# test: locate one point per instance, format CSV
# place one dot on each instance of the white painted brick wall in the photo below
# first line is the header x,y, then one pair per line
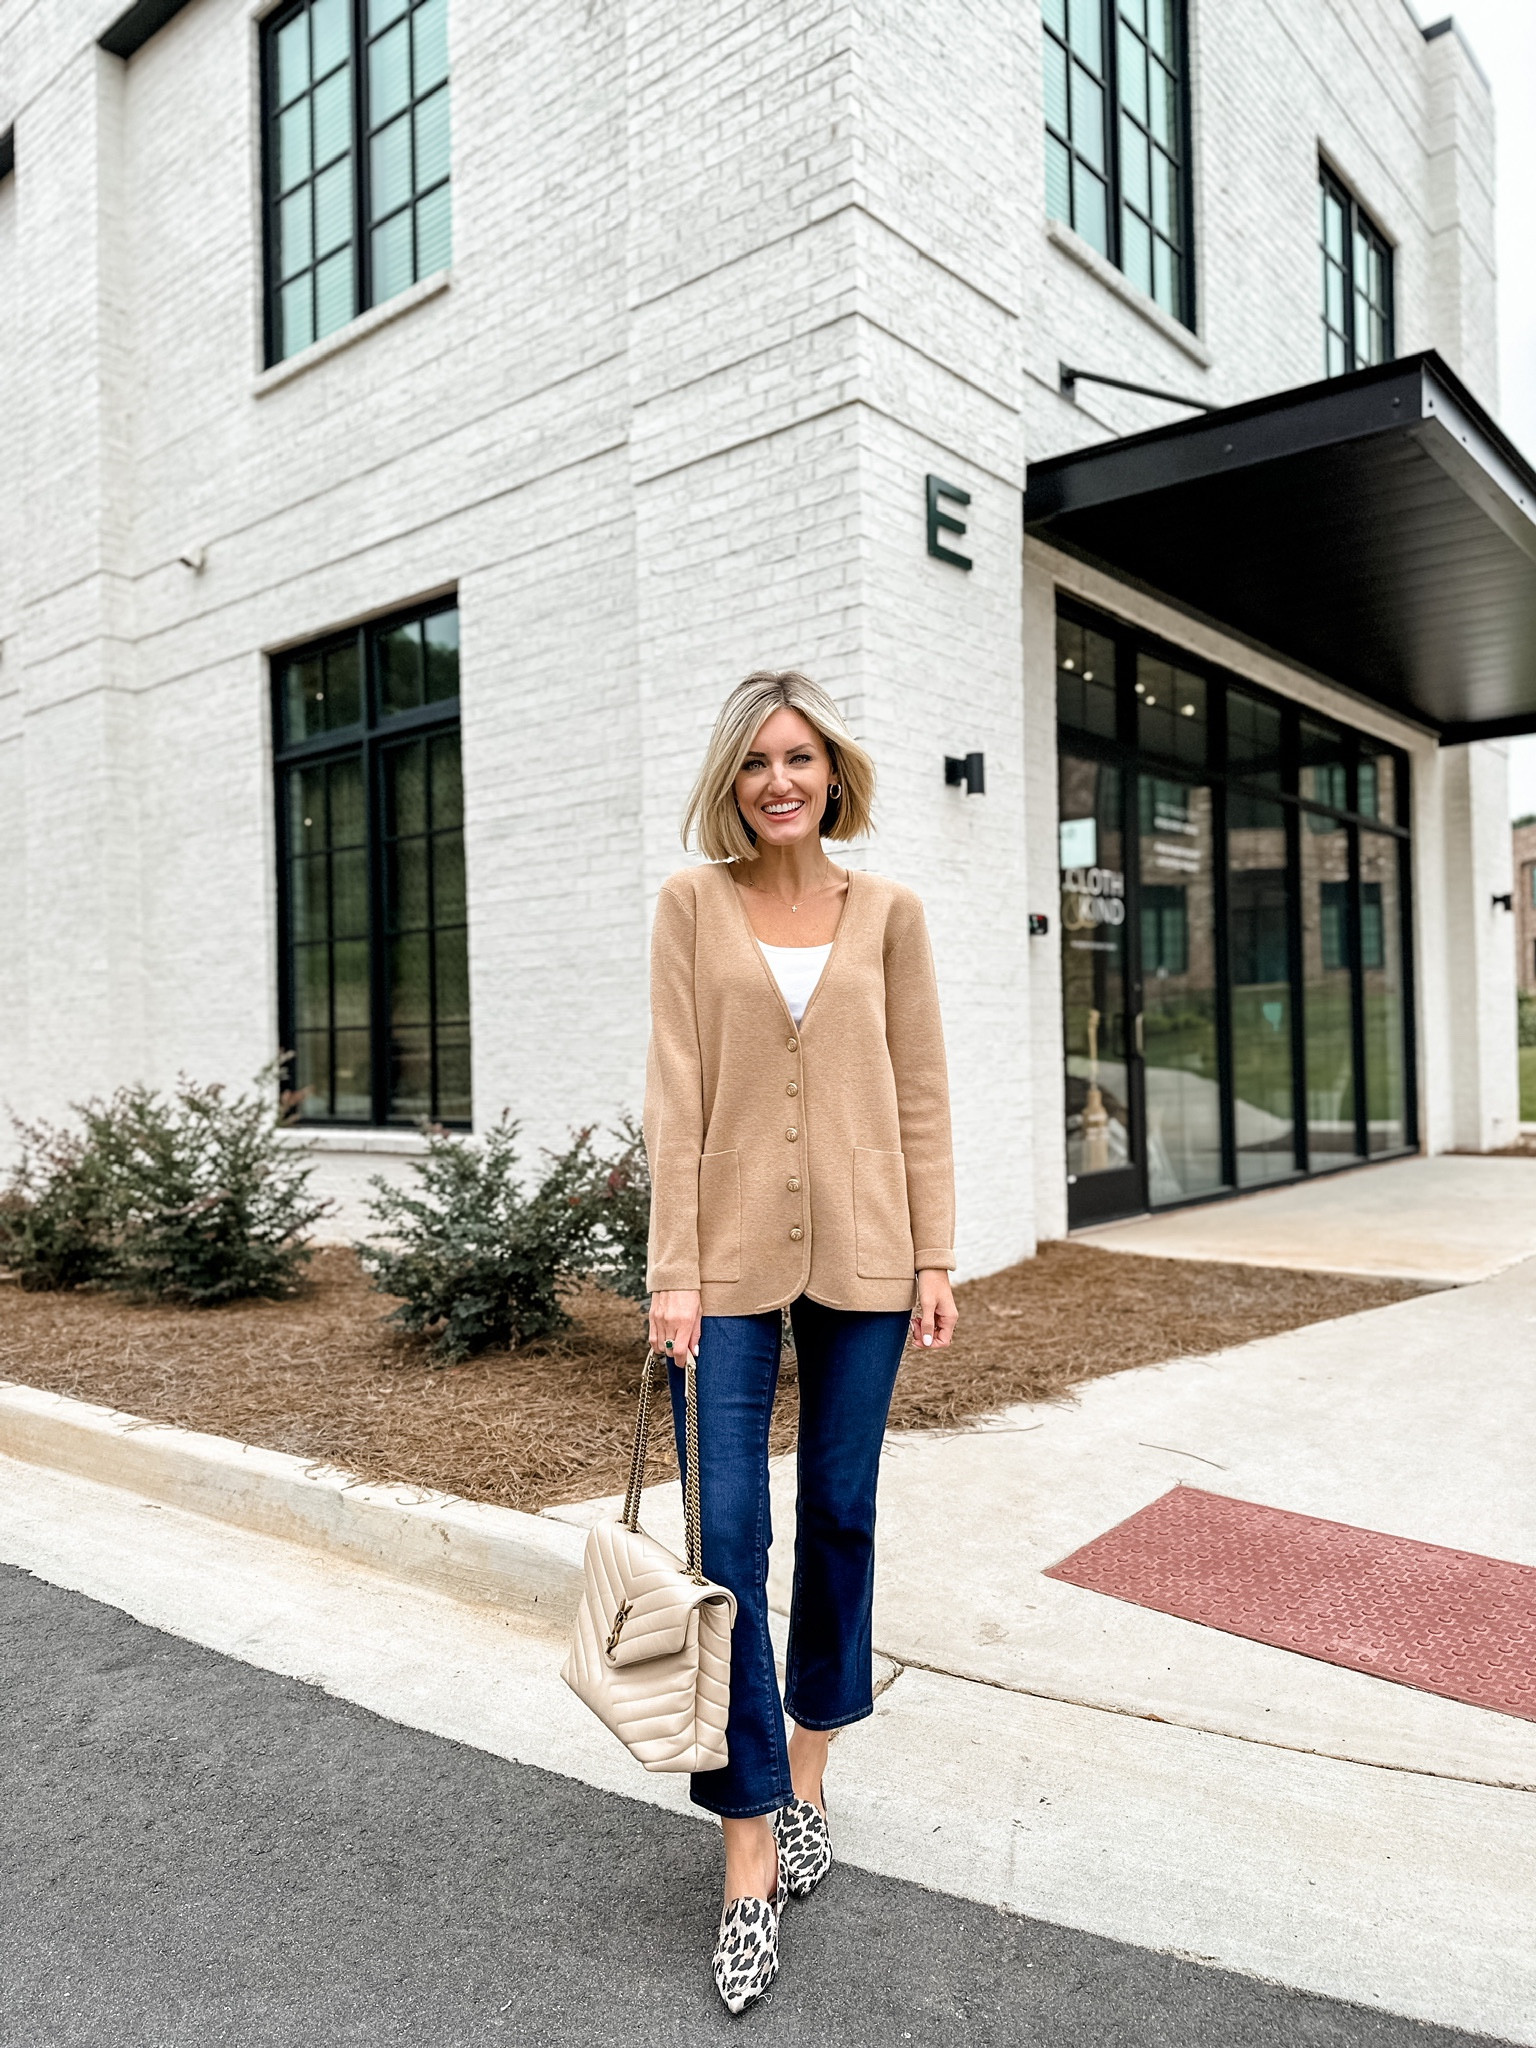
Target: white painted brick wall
x,y
728,281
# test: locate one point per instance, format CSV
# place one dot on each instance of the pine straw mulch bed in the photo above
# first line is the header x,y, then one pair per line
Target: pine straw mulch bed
x,y
323,1376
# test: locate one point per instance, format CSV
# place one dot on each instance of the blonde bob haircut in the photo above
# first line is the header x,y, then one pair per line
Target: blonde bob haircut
x,y
713,820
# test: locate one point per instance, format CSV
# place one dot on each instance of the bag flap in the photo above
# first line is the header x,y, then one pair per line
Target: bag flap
x,y
640,1594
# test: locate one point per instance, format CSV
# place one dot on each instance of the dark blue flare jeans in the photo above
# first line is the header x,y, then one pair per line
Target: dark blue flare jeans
x,y
848,1361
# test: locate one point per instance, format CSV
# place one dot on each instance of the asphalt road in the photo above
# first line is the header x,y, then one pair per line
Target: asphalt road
x,y
194,1851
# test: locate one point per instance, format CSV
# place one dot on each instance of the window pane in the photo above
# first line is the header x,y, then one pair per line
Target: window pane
x,y
295,243
1088,211
349,894
1085,682
448,879
401,670
432,140
1136,250
333,116
433,240
1135,12
303,687
1135,187
293,145
349,968
1171,715
333,207
405,791
312,986
1164,183
1182,1077
453,1097
1324,755
343,691
1093,969
1056,87
306,810
1133,75
453,976
1258,892
1164,273
1327,994
441,632
390,167
297,315
334,298
429,31
1087,20
312,1071
447,789
410,980
393,267
292,59
308,902
410,1064
389,74
382,12
331,25
1056,16
348,823
1164,121
1160,26
1087,117
354,1080
1253,739
409,908
1058,181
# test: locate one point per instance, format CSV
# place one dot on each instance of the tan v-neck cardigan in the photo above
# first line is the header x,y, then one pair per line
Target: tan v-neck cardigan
x,y
786,1160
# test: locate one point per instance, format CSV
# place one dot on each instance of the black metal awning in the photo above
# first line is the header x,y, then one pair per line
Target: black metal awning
x,y
1378,529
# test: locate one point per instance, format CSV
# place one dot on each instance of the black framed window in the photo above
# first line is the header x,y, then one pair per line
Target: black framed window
x,y
374,991
1116,138
1357,281
356,159
1236,930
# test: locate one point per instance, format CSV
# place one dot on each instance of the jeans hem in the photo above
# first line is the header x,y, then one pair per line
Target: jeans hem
x,y
753,1812
827,1727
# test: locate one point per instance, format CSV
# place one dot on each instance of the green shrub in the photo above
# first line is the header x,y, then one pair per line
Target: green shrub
x,y
621,1189
56,1228
1526,1015
475,1260
190,1197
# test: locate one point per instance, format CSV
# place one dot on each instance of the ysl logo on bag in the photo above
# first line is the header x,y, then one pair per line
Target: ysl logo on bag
x,y
618,1626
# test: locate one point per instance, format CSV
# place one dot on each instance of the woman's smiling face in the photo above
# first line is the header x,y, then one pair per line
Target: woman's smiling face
x,y
782,785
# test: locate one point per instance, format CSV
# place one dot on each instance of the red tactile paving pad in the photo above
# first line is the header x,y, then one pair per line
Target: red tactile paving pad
x,y
1445,1621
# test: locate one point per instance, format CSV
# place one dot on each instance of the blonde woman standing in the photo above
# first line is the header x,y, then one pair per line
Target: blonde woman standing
x,y
797,1125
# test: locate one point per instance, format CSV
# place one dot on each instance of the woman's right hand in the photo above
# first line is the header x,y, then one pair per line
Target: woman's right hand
x,y
675,1315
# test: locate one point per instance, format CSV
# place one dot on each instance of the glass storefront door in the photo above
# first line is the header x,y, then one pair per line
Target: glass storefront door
x,y
1236,1003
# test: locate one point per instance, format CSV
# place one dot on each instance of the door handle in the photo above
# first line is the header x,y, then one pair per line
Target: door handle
x,y
1138,1025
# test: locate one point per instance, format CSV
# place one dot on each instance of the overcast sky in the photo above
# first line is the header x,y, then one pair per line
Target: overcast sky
x,y
1502,34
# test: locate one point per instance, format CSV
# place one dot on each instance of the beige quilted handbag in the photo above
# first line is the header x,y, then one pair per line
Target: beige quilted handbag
x,y
652,1655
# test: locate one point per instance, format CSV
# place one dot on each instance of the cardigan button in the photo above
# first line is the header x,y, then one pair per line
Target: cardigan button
x,y
791,1045
792,1088
793,1185
797,1233
791,1134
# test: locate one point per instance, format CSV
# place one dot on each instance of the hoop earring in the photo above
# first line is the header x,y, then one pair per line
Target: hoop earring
x,y
835,791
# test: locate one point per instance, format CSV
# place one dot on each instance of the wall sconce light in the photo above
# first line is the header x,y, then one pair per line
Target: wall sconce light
x,y
194,559
1039,924
1504,903
971,770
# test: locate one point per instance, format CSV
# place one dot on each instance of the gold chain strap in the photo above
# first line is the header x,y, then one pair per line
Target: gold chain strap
x,y
691,1513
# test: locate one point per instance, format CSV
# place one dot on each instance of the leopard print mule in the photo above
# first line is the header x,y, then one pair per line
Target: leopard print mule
x,y
747,1947
805,1844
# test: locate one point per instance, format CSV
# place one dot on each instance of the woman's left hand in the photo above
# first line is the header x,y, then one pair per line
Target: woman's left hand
x,y
934,1318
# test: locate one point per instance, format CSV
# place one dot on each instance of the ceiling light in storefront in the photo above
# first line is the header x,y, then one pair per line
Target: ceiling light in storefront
x,y
1188,710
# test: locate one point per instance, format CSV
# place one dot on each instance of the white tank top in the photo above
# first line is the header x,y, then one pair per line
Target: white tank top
x,y
796,969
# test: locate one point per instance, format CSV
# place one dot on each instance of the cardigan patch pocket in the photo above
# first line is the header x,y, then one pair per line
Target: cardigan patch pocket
x,y
720,1216
882,1224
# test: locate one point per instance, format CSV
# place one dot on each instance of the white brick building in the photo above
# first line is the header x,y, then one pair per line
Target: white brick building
x,y
727,284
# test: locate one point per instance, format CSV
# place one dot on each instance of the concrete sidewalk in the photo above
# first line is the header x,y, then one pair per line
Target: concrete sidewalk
x,y
1449,1220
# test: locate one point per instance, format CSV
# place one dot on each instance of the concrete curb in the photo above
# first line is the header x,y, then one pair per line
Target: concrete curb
x,y
464,1548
